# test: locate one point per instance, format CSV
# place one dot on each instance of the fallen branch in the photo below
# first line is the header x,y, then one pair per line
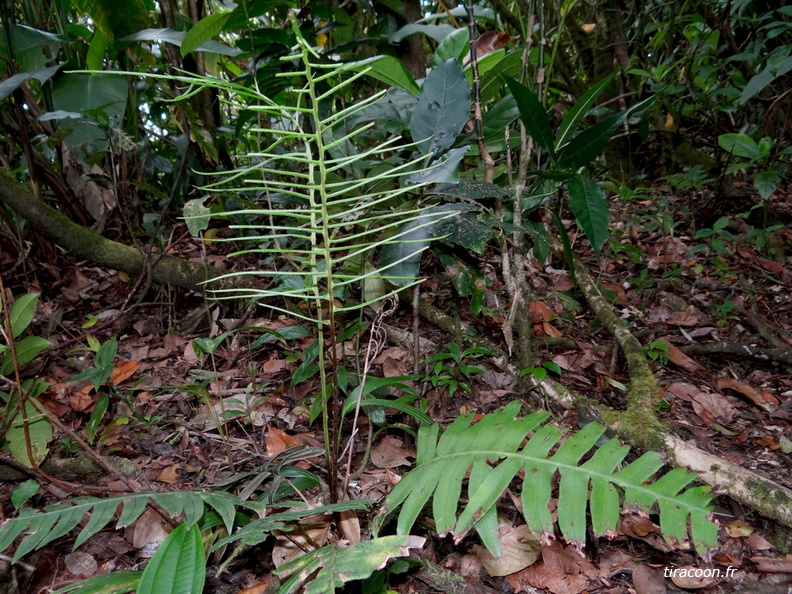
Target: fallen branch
x,y
780,354
88,244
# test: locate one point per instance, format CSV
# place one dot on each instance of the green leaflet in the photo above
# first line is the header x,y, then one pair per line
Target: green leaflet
x,y
338,565
178,566
490,449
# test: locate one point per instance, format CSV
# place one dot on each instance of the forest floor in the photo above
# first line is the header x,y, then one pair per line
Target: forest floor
x,y
680,295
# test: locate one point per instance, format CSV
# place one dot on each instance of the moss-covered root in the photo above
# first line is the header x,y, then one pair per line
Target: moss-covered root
x,y
85,243
639,420
764,496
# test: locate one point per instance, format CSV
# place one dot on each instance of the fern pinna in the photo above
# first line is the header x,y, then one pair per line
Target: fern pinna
x,y
491,450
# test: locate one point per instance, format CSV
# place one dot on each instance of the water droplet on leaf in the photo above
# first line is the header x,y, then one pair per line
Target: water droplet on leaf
x,y
434,106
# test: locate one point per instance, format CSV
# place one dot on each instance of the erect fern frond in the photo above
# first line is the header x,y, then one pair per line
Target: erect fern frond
x,y
318,199
491,450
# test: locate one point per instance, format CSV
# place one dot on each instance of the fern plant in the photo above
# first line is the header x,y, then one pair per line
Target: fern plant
x,y
491,451
329,207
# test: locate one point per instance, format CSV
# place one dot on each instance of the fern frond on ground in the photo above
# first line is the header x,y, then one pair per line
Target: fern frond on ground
x,y
58,520
492,451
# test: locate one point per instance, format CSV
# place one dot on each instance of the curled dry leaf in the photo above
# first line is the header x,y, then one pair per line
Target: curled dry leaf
x,y
738,529
751,393
278,440
123,371
712,407
520,548
312,531
693,578
768,565
146,531
680,359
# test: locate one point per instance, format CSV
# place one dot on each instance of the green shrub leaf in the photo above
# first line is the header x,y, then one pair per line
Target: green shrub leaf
x,y
442,108
588,204
178,566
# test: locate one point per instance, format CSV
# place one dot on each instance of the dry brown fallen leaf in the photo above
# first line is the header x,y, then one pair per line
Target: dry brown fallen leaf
x,y
123,371
390,454
647,580
712,407
562,571
768,565
169,474
296,543
278,440
539,312
81,564
738,529
260,588
519,549
147,530
749,392
680,359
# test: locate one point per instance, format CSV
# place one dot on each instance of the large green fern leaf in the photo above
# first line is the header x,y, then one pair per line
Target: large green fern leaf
x,y
492,451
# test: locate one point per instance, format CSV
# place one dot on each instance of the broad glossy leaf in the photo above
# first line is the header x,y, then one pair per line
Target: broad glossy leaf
x,y
442,108
533,115
40,432
22,313
26,350
94,60
763,79
400,258
588,204
436,32
485,64
12,83
81,92
115,19
203,31
588,145
178,566
579,111
492,81
740,144
453,47
495,120
177,37
442,170
388,70
766,183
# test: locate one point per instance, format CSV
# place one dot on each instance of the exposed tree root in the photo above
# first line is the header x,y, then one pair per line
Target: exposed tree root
x,y
639,424
85,243
780,354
